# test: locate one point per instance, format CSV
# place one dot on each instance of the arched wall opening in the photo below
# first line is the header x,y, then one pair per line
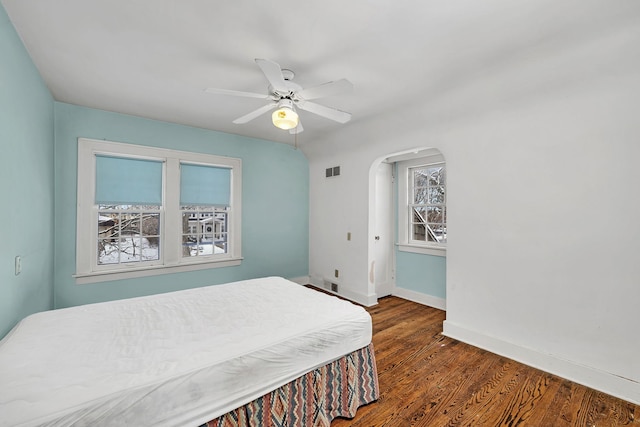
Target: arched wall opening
x,y
411,271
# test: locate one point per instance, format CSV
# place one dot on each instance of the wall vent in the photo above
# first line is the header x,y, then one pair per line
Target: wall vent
x,y
330,286
334,171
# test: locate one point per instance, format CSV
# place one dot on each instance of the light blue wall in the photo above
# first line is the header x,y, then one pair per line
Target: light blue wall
x,y
26,182
422,273
426,274
275,203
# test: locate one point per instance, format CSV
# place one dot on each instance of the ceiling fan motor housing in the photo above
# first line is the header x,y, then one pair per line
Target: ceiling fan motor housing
x,y
290,93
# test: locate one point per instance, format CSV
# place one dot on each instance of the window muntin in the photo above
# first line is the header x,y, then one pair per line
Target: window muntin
x,y
133,232
427,206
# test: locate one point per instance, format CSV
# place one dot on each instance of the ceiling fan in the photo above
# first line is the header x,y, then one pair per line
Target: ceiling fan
x,y
288,96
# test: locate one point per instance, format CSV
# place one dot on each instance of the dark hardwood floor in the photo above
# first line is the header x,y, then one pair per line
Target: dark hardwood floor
x,y
427,379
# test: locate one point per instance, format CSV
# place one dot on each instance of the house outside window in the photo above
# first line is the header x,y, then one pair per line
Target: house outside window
x,y
145,211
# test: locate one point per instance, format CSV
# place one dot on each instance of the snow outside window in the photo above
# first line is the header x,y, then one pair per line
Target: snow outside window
x,y
145,211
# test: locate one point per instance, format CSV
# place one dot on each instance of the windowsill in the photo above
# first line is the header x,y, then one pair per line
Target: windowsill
x,y
425,250
104,276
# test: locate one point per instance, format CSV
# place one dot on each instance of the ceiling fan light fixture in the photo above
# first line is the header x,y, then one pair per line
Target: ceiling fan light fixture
x,y
285,117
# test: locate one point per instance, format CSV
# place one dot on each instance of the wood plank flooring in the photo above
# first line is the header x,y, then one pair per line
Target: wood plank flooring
x,y
427,379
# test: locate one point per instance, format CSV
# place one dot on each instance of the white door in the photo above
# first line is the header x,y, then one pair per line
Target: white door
x,y
383,237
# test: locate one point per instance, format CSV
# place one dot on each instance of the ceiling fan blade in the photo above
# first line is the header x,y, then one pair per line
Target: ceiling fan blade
x,y
327,89
216,91
296,129
252,115
326,112
273,73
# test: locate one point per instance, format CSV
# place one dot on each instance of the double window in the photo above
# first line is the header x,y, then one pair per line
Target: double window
x,y
422,205
145,210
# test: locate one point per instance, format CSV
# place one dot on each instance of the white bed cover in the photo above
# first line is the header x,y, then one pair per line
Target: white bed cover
x,y
174,359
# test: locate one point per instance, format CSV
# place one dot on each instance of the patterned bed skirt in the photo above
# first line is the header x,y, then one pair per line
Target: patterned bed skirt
x,y
337,389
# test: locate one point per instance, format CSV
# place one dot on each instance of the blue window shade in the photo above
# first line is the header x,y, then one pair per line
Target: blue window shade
x,y
204,185
128,181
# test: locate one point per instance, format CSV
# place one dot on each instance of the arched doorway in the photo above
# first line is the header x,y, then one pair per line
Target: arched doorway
x,y
384,235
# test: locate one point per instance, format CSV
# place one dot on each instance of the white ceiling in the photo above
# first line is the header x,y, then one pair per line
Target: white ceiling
x,y
154,58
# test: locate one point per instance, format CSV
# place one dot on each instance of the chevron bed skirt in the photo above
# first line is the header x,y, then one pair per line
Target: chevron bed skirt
x,y
334,390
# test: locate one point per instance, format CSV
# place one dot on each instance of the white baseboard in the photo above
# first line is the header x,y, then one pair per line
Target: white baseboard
x,y
420,298
366,300
302,280
606,382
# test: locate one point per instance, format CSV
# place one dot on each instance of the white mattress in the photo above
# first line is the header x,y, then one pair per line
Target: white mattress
x,y
175,359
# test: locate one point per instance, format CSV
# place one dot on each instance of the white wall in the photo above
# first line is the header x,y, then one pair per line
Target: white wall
x,y
337,206
542,146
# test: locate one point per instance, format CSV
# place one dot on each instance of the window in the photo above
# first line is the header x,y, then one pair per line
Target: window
x,y
427,209
422,208
144,211
204,209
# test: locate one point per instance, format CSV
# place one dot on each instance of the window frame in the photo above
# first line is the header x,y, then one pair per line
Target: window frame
x,y
170,243
405,202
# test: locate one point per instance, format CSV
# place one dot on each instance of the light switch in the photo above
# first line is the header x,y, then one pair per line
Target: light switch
x,y
18,264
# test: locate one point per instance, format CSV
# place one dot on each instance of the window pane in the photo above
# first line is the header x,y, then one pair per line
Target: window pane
x,y
107,252
436,175
421,195
150,224
130,248
130,223
420,178
221,247
436,195
419,214
107,225
419,232
438,232
435,214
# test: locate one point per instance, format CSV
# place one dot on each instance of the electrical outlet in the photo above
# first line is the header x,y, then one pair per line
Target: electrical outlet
x,y
334,287
348,235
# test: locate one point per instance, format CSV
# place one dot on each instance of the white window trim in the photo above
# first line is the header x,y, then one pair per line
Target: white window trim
x,y
87,270
404,245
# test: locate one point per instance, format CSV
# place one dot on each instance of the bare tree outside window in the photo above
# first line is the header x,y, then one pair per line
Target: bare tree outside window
x,y
128,233
428,207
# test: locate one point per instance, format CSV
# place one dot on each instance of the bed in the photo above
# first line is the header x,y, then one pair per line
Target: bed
x,y
238,353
